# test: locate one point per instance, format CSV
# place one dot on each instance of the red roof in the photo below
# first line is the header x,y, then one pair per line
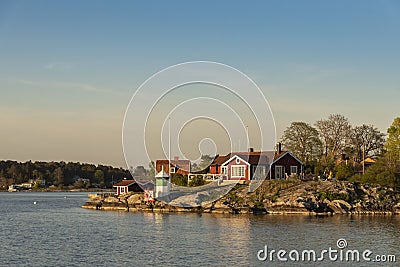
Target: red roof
x,y
182,164
253,158
278,155
221,159
125,183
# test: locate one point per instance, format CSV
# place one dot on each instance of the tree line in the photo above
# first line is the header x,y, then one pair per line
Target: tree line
x,y
60,174
334,147
329,147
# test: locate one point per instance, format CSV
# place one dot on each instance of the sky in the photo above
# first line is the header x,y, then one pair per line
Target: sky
x,y
68,69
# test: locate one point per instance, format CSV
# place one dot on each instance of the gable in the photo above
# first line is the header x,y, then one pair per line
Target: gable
x,y
287,156
234,158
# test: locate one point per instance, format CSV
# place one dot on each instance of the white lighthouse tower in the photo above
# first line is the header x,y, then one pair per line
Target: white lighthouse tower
x,y
162,184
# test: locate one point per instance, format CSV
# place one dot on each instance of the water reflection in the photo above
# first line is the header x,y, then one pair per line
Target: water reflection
x,y
57,232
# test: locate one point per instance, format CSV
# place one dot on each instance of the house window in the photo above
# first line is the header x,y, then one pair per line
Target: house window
x,y
237,160
293,169
238,171
279,172
172,170
224,170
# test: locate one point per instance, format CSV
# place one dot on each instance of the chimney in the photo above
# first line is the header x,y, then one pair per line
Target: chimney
x,y
251,149
279,147
176,158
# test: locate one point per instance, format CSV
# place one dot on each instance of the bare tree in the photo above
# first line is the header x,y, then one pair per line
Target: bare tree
x,y
302,140
335,133
367,139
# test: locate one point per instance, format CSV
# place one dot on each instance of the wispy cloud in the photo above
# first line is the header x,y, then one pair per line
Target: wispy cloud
x,y
68,85
314,72
58,66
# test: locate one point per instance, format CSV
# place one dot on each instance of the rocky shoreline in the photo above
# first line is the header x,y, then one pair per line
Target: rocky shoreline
x,y
273,197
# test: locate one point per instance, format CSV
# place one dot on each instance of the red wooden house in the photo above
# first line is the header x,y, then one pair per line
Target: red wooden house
x,y
242,165
181,166
253,165
126,186
285,164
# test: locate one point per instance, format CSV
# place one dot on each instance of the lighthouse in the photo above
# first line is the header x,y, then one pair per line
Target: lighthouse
x,y
162,184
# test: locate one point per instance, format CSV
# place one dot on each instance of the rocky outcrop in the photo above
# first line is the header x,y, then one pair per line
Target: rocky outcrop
x,y
336,197
273,197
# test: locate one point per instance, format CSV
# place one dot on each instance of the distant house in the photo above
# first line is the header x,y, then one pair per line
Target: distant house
x,y
363,165
126,186
27,185
285,164
181,166
251,165
20,187
368,162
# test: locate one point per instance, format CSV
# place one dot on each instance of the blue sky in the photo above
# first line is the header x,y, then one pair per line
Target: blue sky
x,y
69,68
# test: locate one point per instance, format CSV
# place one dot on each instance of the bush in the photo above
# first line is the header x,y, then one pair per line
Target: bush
x,y
197,181
259,205
179,179
334,196
234,199
356,178
381,173
343,171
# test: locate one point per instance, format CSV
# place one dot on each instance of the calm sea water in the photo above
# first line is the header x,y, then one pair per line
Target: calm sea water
x,y
57,232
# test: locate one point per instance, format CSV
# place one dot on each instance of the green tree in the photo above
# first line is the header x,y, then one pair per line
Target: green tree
x,y
152,169
86,171
99,176
393,142
58,175
13,171
79,184
303,141
383,173
344,171
3,182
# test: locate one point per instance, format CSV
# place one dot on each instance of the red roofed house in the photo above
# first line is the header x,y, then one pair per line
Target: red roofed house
x,y
241,165
126,186
181,166
252,165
